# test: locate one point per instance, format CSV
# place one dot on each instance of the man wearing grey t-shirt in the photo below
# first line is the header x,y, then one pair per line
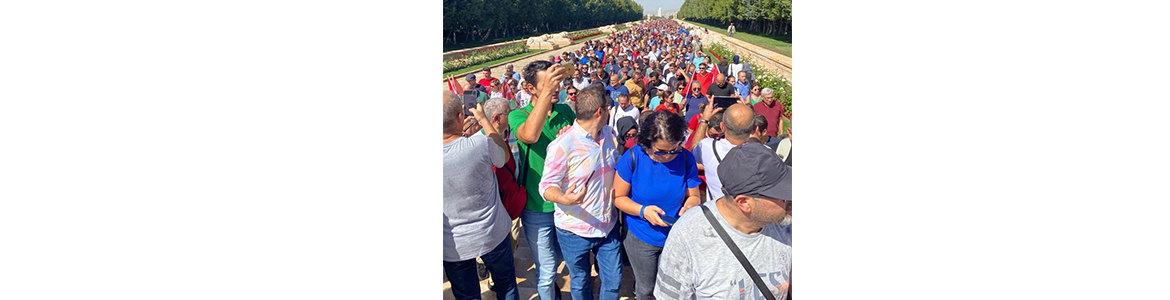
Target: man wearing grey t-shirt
x,y
697,263
475,223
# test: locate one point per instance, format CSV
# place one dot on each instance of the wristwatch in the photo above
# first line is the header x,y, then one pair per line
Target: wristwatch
x,y
704,121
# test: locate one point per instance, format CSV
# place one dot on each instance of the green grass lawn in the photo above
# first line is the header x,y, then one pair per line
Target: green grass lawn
x,y
770,43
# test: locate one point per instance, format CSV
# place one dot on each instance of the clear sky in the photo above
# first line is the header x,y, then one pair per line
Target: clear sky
x,y
651,6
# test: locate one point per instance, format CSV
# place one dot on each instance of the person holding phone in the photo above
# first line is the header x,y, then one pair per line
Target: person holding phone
x,y
657,181
577,177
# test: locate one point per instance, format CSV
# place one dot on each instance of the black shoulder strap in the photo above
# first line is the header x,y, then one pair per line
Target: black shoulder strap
x,y
528,150
716,153
633,166
747,266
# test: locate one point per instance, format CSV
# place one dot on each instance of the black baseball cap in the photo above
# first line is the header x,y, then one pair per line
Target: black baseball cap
x,y
753,169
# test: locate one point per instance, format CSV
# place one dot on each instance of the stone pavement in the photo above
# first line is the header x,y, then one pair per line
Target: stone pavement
x,y
526,277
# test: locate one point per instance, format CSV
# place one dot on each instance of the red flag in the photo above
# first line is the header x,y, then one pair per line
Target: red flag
x,y
704,81
508,92
455,86
688,90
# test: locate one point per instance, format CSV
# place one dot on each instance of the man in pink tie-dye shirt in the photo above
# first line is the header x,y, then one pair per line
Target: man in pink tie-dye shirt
x,y
578,178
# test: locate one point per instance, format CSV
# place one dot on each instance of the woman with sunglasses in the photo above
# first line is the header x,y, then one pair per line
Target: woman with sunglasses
x,y
657,181
754,94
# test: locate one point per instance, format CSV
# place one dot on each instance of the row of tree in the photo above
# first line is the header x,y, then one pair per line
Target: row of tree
x,y
770,17
470,21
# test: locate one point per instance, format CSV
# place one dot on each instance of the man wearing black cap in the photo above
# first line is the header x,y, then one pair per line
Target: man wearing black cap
x,y
473,85
697,261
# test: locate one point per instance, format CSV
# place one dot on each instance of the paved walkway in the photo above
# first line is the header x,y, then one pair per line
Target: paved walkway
x,y
526,277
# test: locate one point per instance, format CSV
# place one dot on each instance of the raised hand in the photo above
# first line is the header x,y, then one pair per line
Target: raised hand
x,y
470,126
709,111
548,81
563,130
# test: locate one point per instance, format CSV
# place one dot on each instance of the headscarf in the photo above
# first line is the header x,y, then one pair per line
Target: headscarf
x,y
624,124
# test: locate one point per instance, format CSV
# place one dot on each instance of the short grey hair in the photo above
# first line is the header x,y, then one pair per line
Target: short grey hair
x,y
452,107
766,91
496,106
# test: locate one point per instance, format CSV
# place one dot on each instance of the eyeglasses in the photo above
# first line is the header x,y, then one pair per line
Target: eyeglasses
x,y
572,94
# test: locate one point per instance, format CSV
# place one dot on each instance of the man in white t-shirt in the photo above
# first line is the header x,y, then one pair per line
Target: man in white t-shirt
x,y
737,125
624,109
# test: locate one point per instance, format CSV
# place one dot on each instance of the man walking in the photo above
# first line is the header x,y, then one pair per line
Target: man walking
x,y
578,177
698,261
737,125
720,87
536,125
638,95
487,77
624,109
475,223
771,109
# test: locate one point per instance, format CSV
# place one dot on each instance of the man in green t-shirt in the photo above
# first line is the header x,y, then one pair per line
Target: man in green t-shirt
x,y
535,125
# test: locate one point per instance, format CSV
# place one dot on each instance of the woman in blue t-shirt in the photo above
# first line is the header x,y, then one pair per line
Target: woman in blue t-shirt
x,y
656,182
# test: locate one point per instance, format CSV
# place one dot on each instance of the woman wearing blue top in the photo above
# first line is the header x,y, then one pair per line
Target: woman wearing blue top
x,y
656,182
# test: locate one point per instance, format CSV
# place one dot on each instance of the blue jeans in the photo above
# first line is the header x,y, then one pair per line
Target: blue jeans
x,y
546,253
608,252
465,280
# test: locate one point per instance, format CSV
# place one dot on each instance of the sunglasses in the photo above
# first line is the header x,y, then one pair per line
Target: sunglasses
x,y
572,94
671,152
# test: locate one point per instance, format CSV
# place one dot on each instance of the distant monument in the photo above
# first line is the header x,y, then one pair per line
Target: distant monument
x,y
659,12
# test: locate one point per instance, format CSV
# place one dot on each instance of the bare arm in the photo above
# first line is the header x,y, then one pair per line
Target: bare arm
x,y
529,131
692,200
701,132
622,201
490,130
621,196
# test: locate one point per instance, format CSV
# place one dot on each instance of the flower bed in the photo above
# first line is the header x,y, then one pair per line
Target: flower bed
x,y
781,86
471,58
584,34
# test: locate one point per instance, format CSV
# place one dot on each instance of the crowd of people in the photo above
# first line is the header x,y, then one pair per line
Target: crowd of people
x,y
615,155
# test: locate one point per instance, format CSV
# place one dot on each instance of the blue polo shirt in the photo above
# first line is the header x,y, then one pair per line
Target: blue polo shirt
x,y
743,88
659,184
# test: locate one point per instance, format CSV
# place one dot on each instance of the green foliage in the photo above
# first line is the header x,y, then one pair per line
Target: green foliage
x,y
768,17
782,88
484,55
776,44
476,21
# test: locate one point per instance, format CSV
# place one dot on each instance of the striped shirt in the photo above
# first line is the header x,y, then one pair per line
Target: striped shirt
x,y
574,158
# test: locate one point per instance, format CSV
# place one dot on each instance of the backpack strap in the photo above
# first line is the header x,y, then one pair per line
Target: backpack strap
x,y
634,165
524,175
747,266
716,153
711,197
